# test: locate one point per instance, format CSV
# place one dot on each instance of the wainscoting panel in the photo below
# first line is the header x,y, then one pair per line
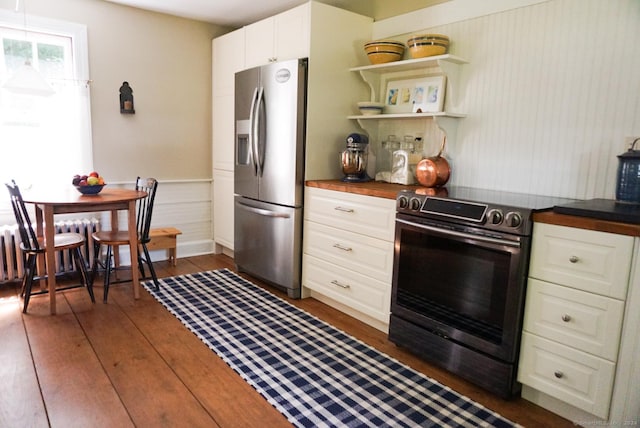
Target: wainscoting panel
x,y
184,204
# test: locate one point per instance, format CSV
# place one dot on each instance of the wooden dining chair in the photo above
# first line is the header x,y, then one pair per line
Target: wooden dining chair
x,y
111,238
32,246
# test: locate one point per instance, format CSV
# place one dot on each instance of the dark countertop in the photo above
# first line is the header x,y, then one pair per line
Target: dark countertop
x,y
602,209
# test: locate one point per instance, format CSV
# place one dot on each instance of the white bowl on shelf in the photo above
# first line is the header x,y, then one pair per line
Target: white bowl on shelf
x,y
368,108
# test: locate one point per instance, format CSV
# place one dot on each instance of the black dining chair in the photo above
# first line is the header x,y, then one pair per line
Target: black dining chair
x,y
111,238
32,246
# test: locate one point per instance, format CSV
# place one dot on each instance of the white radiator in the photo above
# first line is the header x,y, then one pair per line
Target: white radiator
x,y
12,261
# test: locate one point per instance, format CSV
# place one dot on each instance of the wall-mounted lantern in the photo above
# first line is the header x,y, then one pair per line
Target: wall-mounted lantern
x,y
126,99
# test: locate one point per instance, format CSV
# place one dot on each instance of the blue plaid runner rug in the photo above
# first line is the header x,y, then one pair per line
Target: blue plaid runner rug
x,y
313,373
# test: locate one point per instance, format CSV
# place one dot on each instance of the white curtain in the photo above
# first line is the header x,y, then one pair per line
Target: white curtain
x,y
45,140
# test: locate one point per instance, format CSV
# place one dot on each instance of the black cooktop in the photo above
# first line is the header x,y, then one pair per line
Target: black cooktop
x,y
602,209
519,200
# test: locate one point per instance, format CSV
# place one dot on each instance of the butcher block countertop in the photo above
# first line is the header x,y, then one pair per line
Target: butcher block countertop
x,y
379,189
389,191
587,223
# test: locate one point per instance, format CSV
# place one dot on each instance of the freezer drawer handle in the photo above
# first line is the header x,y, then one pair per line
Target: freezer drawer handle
x,y
342,247
263,212
335,282
346,210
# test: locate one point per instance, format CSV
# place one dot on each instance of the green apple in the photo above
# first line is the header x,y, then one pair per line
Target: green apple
x,y
92,181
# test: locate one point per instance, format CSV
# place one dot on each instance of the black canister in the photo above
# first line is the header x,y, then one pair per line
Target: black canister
x,y
628,185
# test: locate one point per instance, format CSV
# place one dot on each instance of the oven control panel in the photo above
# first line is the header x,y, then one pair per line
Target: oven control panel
x,y
478,214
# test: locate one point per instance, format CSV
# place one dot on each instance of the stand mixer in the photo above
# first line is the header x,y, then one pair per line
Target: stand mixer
x,y
354,159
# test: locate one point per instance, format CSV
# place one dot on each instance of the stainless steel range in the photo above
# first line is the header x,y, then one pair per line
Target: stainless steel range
x,y
460,267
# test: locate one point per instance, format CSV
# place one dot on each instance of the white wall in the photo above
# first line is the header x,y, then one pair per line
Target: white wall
x,y
551,91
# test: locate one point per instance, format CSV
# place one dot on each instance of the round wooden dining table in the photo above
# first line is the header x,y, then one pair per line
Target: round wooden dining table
x,y
51,201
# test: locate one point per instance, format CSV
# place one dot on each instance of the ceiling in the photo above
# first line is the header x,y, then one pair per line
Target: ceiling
x,y
236,13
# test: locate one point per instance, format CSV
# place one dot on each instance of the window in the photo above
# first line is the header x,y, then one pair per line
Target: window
x,y
43,139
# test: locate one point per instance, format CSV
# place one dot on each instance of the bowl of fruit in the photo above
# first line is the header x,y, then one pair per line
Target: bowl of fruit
x,y
90,184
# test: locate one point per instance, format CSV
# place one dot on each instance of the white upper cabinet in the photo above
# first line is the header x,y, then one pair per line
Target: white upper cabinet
x,y
278,38
292,33
223,133
228,58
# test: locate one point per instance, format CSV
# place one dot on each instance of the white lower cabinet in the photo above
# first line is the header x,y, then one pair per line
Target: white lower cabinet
x,y
223,209
348,253
355,290
574,317
577,378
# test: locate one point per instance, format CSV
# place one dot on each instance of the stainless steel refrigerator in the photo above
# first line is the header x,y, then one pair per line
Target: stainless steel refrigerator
x,y
270,109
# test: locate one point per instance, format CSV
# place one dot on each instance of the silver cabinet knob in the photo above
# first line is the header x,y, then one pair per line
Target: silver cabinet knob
x,y
574,259
566,317
558,374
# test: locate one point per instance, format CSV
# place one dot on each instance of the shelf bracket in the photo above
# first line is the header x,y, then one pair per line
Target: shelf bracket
x,y
452,71
372,81
448,125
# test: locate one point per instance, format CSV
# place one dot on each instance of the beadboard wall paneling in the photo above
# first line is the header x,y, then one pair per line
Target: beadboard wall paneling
x,y
551,92
444,13
184,204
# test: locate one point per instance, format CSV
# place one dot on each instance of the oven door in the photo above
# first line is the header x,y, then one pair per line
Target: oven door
x,y
460,284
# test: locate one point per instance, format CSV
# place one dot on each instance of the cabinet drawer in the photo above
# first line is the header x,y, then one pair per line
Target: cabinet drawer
x,y
598,262
577,378
362,293
369,256
367,215
582,320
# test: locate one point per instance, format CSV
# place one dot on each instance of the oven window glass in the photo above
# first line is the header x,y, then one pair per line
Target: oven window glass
x,y
456,283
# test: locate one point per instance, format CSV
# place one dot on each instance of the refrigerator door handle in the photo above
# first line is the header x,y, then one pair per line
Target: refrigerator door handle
x,y
256,130
252,134
263,212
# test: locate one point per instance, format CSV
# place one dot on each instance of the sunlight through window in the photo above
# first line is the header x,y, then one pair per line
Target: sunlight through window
x,y
44,139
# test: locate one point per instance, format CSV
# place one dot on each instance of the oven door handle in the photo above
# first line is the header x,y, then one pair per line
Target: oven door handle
x,y
462,234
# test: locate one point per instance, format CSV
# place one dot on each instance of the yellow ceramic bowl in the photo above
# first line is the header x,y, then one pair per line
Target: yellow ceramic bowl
x,y
383,57
381,51
438,38
428,45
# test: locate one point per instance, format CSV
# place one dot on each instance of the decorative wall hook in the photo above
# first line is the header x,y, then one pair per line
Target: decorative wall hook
x,y
126,99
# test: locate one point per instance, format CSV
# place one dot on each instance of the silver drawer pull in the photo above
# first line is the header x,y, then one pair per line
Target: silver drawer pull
x,y
558,374
335,282
344,210
574,259
341,247
566,317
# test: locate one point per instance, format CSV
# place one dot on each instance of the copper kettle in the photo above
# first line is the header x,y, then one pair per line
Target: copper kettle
x,y
434,171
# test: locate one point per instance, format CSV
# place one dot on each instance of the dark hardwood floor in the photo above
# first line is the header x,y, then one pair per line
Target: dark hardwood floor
x,y
131,363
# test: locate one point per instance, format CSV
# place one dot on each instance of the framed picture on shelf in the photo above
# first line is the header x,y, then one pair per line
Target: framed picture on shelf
x,y
423,95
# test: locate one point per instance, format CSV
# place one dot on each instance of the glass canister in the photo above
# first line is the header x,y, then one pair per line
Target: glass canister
x,y
628,183
385,161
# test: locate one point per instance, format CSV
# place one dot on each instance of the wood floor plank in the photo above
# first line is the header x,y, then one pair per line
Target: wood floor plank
x,y
230,400
75,387
131,362
151,392
20,403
